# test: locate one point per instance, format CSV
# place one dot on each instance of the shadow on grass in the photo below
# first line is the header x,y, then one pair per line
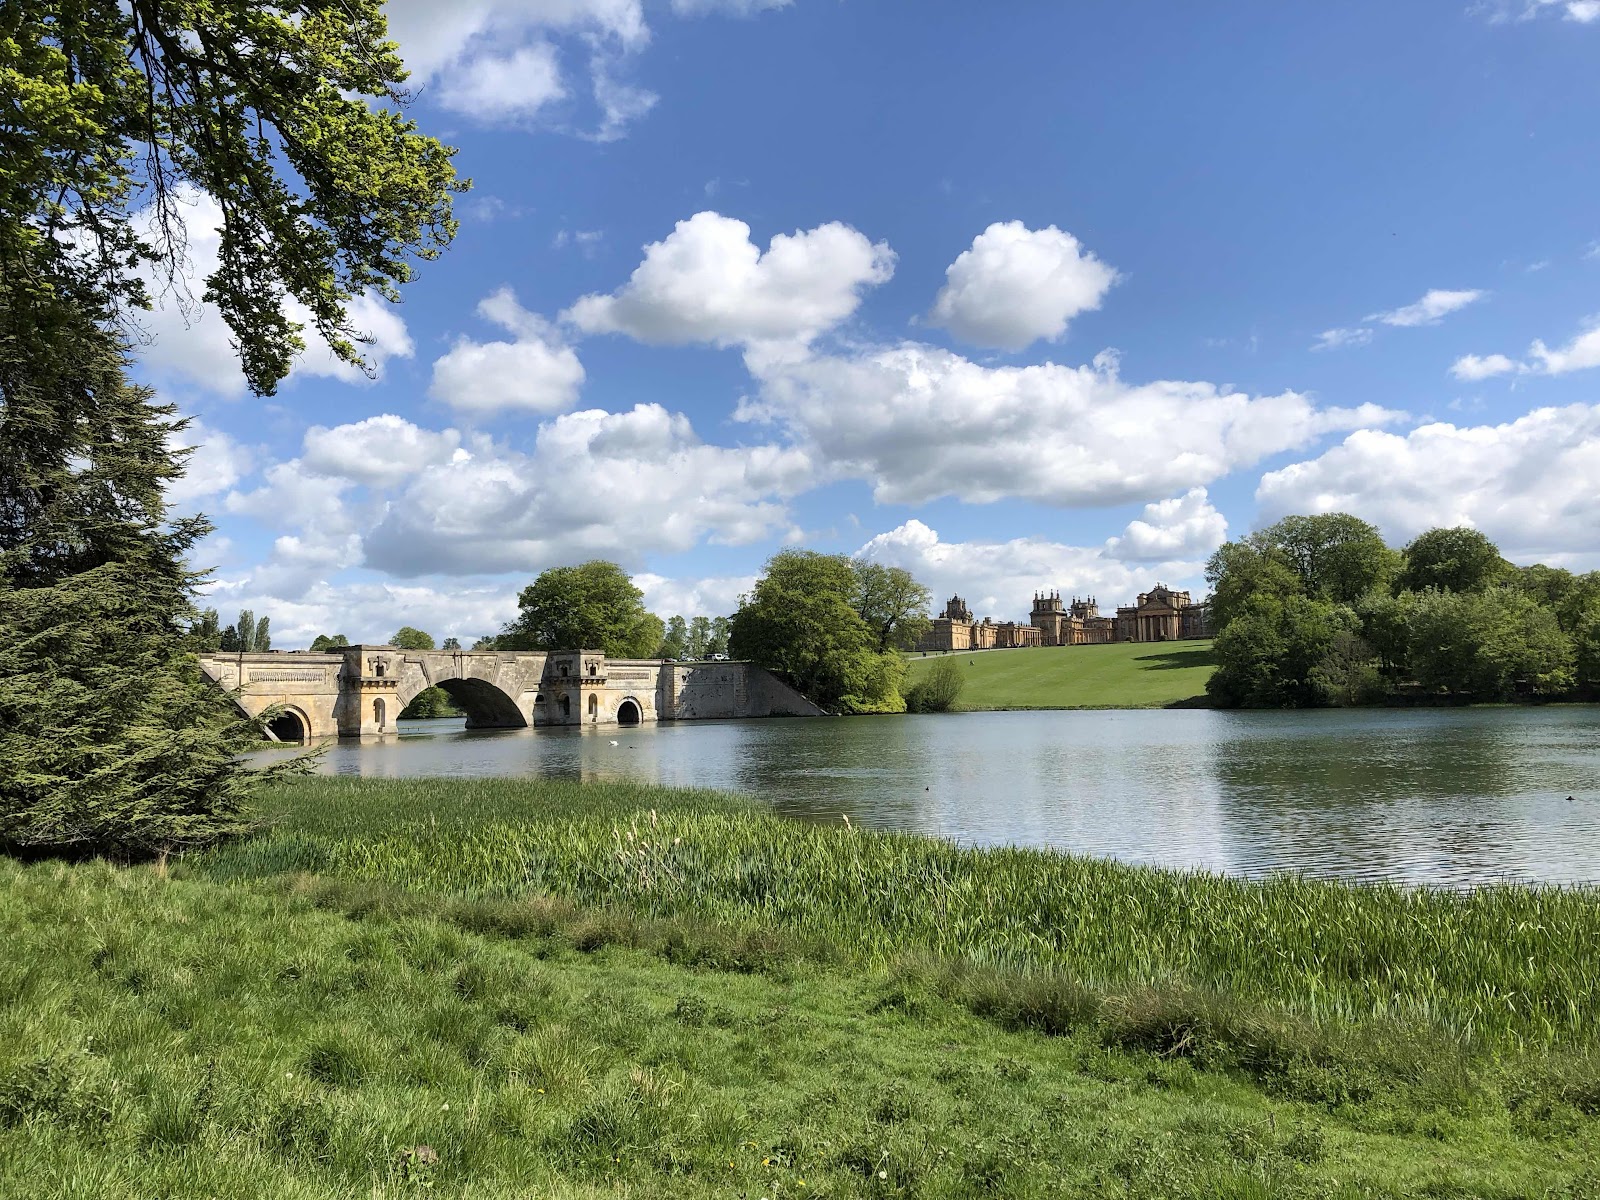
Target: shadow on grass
x,y
1176,660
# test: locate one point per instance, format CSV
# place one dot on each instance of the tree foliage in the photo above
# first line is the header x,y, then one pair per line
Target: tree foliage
x,y
593,606
802,622
429,704
1269,654
114,114
322,642
111,741
937,689
892,603
408,638
287,114
1451,560
1307,616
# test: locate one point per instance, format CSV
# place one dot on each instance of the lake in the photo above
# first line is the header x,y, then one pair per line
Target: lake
x,y
1448,797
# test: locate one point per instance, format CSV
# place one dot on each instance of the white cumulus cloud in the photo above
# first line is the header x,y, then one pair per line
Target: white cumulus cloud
x,y
1471,367
216,462
1333,339
1017,285
708,282
1430,310
1582,352
537,372
597,484
1527,483
1184,527
511,86
380,451
920,423
998,579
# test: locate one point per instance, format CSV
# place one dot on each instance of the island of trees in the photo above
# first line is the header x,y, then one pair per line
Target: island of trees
x,y
1319,610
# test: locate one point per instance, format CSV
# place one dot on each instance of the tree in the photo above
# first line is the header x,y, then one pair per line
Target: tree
x,y
286,114
428,704
697,644
206,633
263,638
1586,649
801,621
408,638
1338,557
593,606
717,643
491,642
323,642
1451,560
892,603
323,197
1488,645
1269,654
111,741
1239,571
451,643
229,643
675,641
937,689
246,625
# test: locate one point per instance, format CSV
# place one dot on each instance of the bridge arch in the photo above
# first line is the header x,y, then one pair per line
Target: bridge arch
x,y
291,725
486,703
629,712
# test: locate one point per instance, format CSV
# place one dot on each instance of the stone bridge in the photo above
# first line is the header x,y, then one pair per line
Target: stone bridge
x,y
359,691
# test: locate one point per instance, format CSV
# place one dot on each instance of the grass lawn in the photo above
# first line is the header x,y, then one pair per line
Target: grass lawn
x,y
1121,675
501,988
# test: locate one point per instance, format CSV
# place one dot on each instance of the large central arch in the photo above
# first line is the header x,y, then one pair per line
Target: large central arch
x,y
486,706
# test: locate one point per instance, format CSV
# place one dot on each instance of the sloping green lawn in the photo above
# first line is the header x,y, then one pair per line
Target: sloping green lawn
x,y
1123,675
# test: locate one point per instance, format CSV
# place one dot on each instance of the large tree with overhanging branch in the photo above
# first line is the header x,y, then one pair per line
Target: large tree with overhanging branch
x,y
112,114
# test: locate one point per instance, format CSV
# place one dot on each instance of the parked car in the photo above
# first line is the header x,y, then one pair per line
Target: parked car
x,y
719,658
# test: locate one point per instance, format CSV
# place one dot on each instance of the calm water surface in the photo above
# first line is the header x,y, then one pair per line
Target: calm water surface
x,y
1452,797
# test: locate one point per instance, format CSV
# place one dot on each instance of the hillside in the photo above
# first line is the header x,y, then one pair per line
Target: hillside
x,y
1123,675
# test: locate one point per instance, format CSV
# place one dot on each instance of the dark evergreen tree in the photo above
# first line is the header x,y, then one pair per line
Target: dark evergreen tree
x,y
111,741
229,643
207,633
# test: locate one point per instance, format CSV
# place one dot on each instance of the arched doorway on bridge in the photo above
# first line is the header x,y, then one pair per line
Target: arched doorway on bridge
x,y
380,715
289,726
594,707
628,713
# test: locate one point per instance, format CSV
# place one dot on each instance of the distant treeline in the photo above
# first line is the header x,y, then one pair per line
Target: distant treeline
x,y
1319,610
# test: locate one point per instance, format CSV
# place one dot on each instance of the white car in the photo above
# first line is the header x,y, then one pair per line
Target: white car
x,y
719,658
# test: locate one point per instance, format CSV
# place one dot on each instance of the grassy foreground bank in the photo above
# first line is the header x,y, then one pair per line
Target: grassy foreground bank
x,y
498,988
1121,675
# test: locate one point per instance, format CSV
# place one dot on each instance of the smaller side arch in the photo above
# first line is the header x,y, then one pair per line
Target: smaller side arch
x,y
629,712
291,725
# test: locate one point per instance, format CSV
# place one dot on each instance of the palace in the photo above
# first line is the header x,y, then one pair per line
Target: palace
x,y
1159,615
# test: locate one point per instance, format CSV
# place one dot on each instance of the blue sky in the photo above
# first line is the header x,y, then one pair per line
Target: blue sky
x,y
1055,298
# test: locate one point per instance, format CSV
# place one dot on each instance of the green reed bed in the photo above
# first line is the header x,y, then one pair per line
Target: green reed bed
x,y
1501,967
181,1038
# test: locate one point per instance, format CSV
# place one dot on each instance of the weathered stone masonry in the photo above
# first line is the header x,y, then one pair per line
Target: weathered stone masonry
x,y
360,691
